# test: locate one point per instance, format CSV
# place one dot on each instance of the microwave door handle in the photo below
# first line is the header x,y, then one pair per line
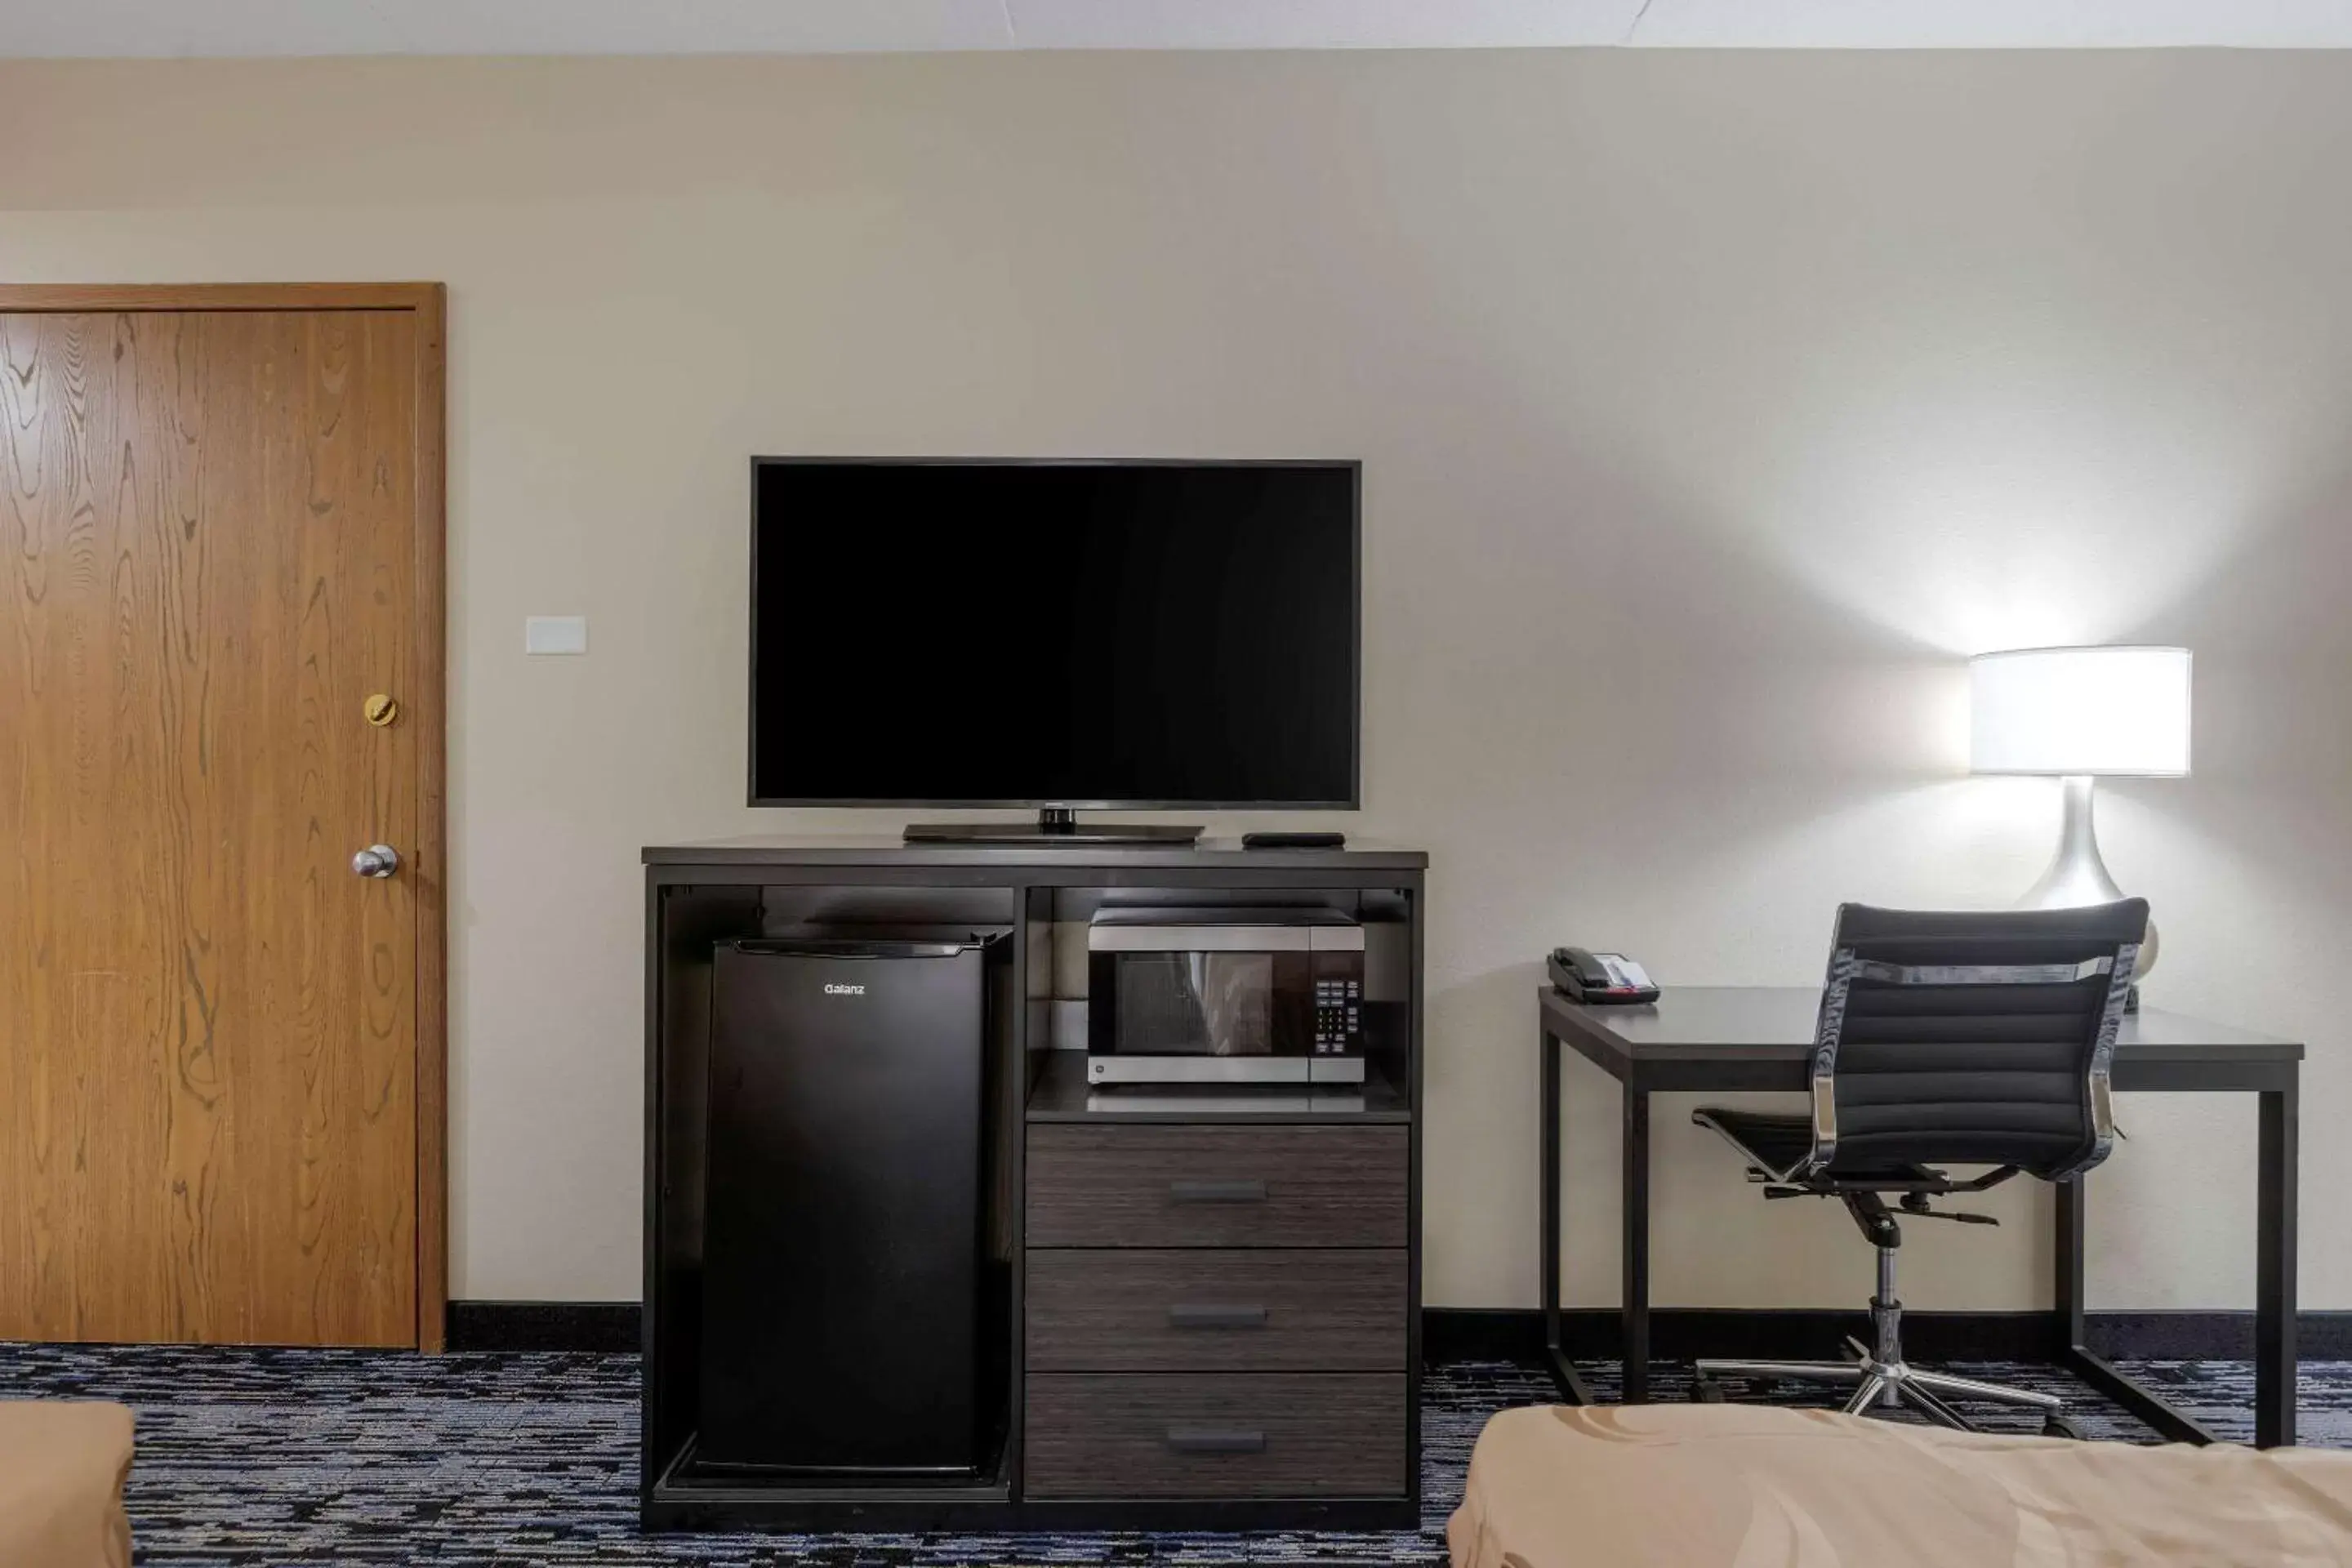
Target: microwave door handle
x,y
1252,1192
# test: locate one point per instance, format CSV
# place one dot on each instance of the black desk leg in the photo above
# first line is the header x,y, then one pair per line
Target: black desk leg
x,y
2079,1358
2275,1247
2275,1256
2071,1331
1635,1301
1572,1387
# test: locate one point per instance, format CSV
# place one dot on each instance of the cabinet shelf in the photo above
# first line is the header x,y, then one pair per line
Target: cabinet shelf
x,y
1063,1094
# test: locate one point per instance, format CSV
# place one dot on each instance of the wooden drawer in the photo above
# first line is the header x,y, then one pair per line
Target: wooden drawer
x,y
1194,1310
1141,1186
1214,1435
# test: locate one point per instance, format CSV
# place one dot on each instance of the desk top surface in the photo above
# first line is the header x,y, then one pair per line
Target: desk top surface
x,y
1773,1022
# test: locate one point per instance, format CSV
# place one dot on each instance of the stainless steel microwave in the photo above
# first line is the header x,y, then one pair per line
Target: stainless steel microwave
x,y
1240,995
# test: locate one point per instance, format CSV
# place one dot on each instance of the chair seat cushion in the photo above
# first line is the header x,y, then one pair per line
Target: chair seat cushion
x,y
1775,1142
62,1465
1730,1486
1771,1140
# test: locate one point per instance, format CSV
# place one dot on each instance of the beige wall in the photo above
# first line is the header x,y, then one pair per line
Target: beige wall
x,y
1712,407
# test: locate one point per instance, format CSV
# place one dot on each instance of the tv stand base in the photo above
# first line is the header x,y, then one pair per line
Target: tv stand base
x,y
1054,826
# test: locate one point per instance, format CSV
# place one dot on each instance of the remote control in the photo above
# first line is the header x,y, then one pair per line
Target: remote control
x,y
1294,840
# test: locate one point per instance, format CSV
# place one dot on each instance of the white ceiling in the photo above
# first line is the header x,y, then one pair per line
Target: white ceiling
x,y
259,28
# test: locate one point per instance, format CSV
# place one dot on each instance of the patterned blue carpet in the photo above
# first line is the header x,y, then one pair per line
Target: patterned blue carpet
x,y
296,1458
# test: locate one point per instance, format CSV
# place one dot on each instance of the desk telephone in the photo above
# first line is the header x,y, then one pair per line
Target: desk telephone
x,y
1600,978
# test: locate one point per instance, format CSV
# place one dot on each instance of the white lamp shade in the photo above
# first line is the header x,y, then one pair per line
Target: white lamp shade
x,y
2098,710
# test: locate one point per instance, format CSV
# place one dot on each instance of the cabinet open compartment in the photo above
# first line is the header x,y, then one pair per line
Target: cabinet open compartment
x,y
836,1142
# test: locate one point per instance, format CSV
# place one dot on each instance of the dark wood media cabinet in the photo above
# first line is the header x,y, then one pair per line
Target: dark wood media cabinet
x,y
1122,1412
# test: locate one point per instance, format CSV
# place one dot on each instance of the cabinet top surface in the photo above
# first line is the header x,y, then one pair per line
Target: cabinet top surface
x,y
880,850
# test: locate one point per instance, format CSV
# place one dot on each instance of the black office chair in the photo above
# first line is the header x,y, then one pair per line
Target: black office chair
x,y
1968,1040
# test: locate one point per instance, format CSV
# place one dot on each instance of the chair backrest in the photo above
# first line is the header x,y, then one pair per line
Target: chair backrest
x,y
1972,1039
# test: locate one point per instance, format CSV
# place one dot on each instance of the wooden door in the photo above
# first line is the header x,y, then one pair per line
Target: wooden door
x,y
211,1080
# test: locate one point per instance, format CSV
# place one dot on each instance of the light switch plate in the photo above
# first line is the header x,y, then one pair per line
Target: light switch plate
x,y
555,633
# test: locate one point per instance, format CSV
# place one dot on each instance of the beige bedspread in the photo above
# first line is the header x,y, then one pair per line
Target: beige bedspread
x,y
62,1465
1729,1486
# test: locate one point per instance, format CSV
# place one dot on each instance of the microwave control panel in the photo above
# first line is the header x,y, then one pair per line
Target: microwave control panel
x,y
1338,1016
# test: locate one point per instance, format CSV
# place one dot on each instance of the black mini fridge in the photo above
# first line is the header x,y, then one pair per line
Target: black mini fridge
x,y
846,1275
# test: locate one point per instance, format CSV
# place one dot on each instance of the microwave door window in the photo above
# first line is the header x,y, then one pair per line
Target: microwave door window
x,y
1160,1007
1237,995
1195,1003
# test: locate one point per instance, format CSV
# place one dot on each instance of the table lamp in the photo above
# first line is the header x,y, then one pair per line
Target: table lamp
x,y
2079,713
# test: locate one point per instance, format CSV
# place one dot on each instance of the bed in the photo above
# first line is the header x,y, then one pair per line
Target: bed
x,y
1730,1485
62,1465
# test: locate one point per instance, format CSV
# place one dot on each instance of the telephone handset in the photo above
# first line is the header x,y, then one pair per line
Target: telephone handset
x,y
1600,978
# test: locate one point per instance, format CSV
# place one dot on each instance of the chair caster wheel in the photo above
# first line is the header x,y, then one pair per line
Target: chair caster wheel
x,y
2064,1427
1706,1391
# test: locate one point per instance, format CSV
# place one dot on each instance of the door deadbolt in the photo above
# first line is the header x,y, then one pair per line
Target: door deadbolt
x,y
381,709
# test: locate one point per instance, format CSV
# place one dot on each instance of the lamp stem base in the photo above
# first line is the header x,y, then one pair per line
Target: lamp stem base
x,y
2077,876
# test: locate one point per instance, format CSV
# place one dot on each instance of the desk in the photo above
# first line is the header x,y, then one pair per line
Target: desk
x,y
1713,1040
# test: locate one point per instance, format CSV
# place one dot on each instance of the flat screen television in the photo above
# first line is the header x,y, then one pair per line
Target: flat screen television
x,y
1055,634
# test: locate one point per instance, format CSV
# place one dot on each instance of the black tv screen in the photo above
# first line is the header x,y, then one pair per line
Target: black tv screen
x,y
1054,633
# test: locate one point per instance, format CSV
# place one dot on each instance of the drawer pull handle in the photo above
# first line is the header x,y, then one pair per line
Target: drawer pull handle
x,y
1217,1192
1185,1316
1216,1440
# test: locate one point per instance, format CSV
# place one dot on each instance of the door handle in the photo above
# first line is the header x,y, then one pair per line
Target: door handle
x,y
1217,1192
1216,1440
1187,1316
377,860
